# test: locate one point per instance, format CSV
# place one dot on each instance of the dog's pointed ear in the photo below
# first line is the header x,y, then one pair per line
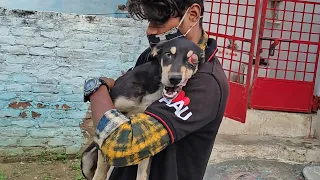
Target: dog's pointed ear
x,y
155,52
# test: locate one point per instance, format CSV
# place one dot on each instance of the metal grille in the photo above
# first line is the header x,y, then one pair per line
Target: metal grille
x,y
289,41
233,23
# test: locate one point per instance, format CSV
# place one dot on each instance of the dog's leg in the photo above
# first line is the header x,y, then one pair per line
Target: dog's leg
x,y
101,172
109,172
144,169
89,160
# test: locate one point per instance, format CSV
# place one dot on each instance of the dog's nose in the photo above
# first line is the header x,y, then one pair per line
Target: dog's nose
x,y
175,79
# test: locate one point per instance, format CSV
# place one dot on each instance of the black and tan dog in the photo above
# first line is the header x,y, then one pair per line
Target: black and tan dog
x,y
173,64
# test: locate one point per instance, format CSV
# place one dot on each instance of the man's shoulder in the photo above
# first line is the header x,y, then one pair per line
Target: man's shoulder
x,y
212,72
143,58
203,85
210,83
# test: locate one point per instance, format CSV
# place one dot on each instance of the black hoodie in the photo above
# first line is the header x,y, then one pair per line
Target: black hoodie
x,y
193,126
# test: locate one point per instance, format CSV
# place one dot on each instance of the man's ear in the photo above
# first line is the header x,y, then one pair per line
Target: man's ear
x,y
195,12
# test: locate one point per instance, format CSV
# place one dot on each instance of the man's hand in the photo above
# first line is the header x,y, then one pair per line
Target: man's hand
x,y
109,81
101,101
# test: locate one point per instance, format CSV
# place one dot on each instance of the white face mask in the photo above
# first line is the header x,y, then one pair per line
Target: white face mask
x,y
171,34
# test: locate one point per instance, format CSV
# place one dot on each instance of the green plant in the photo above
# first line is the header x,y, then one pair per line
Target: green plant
x,y
2,176
79,177
46,178
75,166
42,158
61,157
14,172
78,155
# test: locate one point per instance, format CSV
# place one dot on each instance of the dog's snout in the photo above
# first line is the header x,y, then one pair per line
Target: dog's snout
x,y
175,79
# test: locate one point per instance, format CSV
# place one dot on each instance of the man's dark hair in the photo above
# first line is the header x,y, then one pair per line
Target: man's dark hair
x,y
159,11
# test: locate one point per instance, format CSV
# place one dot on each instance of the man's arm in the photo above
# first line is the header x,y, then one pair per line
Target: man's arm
x,y
125,141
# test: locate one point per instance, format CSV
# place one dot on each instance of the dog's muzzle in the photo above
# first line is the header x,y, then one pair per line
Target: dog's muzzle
x,y
172,90
175,79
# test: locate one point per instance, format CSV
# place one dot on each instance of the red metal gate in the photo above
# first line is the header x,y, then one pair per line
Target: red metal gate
x,y
289,38
233,23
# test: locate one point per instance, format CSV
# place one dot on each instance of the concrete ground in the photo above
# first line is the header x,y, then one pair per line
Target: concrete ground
x,y
254,170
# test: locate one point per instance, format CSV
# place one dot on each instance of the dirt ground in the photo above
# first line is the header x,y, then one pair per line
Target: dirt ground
x,y
41,170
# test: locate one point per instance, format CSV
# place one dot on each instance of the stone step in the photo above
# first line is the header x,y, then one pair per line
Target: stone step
x,y
312,173
272,123
289,150
254,169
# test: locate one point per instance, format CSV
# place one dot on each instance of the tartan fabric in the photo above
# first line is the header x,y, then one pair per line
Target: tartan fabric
x,y
135,139
109,122
203,41
127,141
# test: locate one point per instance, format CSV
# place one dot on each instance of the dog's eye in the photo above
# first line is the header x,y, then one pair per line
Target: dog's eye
x,y
191,65
168,54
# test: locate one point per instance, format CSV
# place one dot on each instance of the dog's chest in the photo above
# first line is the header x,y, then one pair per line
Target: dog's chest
x,y
144,103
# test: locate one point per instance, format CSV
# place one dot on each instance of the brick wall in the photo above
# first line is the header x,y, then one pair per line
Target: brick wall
x,y
44,60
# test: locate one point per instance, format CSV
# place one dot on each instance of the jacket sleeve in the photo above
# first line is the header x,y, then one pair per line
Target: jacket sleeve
x,y
127,141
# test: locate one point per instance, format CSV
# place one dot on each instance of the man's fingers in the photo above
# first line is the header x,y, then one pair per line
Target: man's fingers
x,y
109,81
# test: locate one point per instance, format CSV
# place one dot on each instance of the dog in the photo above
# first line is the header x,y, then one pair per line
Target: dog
x,y
172,64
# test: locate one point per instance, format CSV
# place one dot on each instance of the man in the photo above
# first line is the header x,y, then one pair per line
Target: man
x,y
180,143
